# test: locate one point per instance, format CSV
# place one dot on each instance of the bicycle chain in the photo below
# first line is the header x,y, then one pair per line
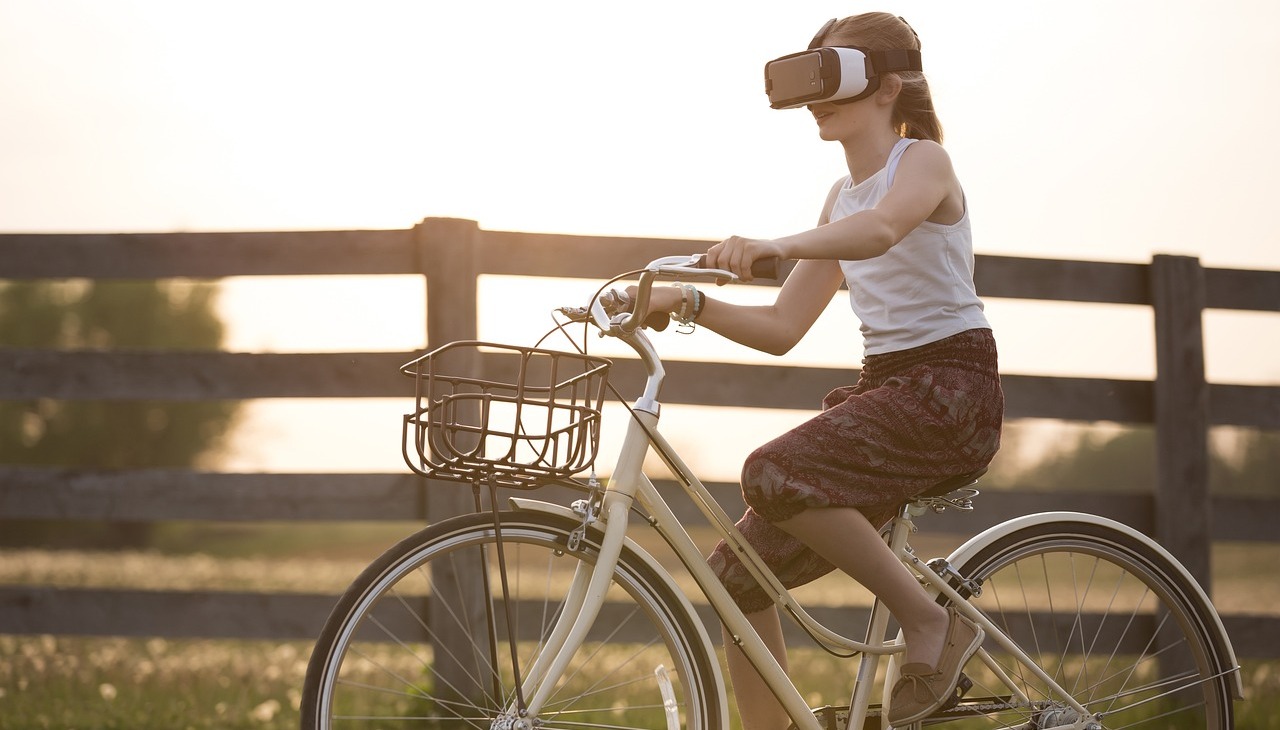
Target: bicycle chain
x,y
837,718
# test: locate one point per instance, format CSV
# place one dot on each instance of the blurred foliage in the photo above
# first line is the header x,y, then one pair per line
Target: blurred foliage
x,y
1258,472
107,315
1242,462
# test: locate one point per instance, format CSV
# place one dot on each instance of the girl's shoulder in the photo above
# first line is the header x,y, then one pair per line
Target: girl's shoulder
x,y
830,202
925,149
925,157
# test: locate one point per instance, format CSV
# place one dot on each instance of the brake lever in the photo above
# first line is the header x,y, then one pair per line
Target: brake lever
x,y
768,268
574,314
617,302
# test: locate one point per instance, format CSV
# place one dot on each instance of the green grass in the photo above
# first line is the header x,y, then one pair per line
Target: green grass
x,y
89,682
83,683
112,683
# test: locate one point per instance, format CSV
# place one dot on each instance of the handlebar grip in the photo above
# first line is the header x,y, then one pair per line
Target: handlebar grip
x,y
657,321
760,268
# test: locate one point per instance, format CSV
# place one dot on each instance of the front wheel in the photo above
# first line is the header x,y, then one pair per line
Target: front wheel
x,y
1115,624
420,640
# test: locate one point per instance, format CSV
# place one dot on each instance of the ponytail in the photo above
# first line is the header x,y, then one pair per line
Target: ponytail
x,y
913,114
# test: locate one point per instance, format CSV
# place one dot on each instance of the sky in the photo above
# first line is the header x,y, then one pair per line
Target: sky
x,y
1092,129
1096,129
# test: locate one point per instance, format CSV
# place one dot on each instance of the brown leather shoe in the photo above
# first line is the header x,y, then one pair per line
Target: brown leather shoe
x,y
923,689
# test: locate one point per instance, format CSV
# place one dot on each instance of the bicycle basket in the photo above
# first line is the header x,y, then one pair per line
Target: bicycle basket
x,y
515,416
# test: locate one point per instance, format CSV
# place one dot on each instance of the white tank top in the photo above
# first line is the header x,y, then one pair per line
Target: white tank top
x,y
919,291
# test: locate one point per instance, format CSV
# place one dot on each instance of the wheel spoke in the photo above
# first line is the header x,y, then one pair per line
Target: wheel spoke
x,y
411,642
1106,617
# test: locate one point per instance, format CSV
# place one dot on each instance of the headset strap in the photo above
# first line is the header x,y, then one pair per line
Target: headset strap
x,y
822,32
898,59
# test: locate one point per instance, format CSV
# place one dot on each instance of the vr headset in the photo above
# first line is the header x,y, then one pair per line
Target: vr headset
x,y
839,74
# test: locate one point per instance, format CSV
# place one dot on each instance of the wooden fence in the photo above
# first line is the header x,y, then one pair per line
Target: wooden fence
x,y
451,254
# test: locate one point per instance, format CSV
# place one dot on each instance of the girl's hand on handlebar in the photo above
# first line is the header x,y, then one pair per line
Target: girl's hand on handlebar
x,y
662,299
736,254
663,302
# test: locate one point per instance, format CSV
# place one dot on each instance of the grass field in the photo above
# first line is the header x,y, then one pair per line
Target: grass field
x,y
81,683
103,682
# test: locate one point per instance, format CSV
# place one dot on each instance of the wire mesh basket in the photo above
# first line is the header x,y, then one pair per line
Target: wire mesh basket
x,y
513,416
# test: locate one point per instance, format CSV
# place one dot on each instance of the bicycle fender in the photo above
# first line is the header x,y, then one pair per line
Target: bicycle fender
x,y
975,544
534,505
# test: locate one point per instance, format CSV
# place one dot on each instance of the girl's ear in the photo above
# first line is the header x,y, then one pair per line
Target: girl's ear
x,y
890,87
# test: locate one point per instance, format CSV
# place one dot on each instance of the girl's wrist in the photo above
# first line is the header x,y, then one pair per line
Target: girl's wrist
x,y
784,248
691,304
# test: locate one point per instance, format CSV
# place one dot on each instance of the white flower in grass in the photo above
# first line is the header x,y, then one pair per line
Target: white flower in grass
x,y
266,712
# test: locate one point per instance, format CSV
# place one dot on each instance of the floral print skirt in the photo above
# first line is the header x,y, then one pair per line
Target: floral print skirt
x,y
915,418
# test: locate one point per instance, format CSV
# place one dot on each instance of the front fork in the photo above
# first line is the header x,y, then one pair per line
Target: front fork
x,y
587,590
585,597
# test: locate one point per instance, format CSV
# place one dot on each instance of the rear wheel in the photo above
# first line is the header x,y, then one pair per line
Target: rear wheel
x,y
1110,619
411,645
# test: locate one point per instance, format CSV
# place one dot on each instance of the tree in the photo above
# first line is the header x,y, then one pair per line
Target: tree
x,y
82,314
1256,472
1121,462
1124,461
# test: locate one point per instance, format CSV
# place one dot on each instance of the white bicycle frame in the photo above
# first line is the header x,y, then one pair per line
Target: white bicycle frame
x,y
629,487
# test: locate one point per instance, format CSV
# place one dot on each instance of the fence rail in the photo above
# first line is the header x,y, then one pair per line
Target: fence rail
x,y
451,254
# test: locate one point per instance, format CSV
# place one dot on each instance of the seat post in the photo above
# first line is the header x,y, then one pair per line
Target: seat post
x,y
900,529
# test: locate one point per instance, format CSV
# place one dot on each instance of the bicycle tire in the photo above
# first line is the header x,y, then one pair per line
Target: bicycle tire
x,y
1110,618
378,662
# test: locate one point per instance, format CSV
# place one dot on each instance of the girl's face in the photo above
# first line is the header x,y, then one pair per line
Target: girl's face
x,y
862,118
840,122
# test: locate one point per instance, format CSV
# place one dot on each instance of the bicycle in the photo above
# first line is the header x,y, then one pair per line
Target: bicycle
x,y
542,615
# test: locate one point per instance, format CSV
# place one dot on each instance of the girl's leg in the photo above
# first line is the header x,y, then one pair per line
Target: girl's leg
x,y
850,542
758,708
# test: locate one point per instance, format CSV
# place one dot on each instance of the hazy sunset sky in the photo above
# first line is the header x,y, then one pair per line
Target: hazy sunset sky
x,y
1091,129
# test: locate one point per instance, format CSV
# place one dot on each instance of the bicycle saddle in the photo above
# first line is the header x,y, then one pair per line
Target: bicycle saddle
x,y
951,484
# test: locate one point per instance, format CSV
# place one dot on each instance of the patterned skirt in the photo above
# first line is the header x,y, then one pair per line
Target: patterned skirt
x,y
915,417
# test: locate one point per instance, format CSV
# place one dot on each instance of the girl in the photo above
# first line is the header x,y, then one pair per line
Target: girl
x,y
927,406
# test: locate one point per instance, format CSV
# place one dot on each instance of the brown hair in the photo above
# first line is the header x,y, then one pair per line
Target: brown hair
x,y
913,113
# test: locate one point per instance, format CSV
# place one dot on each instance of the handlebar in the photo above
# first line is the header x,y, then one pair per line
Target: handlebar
x,y
760,269
613,311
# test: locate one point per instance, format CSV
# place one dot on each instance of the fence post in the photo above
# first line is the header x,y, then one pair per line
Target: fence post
x,y
1181,413
448,252
448,256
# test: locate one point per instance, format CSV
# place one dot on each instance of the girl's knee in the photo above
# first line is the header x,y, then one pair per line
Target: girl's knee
x,y
741,585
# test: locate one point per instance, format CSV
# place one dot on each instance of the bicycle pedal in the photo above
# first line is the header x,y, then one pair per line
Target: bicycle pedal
x,y
963,685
